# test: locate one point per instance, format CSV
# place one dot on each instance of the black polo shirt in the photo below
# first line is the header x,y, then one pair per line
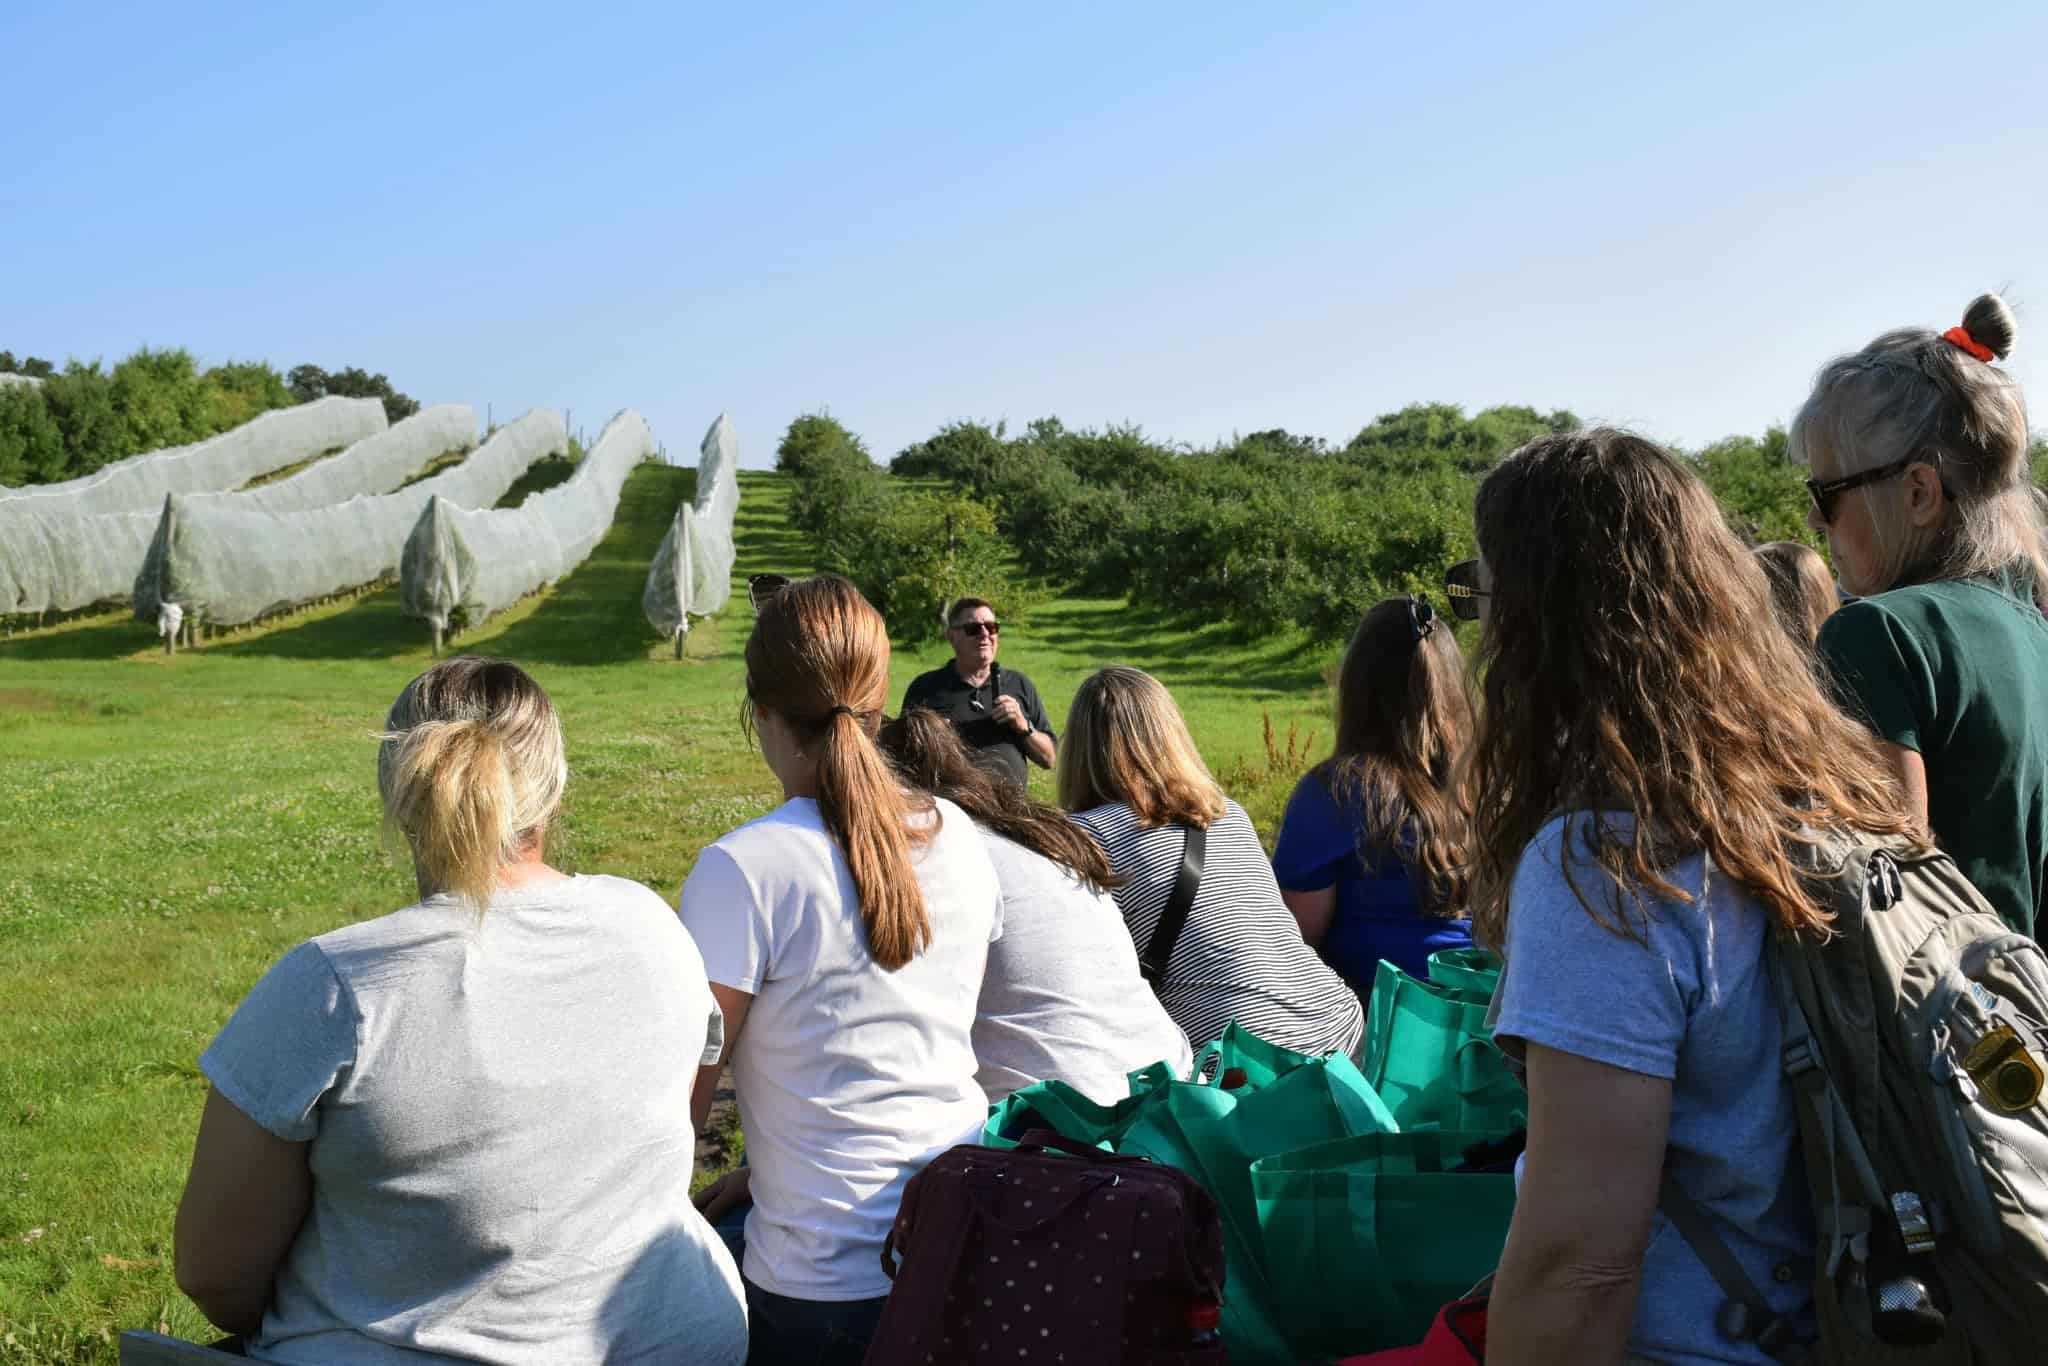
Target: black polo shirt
x,y
970,710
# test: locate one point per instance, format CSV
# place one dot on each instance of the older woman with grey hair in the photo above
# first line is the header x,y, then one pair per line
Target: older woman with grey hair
x,y
1918,449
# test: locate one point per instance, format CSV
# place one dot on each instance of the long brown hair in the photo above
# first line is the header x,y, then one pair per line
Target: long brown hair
x,y
819,659
1404,713
471,770
1127,742
1631,660
1802,589
929,754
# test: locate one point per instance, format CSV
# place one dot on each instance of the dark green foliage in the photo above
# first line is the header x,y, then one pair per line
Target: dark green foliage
x,y
309,382
30,444
151,400
909,550
1761,490
33,366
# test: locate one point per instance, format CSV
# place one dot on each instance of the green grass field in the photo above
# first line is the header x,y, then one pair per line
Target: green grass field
x,y
170,827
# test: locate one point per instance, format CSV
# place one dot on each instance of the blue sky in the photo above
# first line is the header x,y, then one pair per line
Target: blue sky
x,y
1202,219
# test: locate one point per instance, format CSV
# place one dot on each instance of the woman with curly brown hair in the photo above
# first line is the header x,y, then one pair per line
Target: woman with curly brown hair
x,y
1649,744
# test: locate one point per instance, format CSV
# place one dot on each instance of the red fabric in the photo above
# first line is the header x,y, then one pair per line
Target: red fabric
x,y
1457,1338
1960,336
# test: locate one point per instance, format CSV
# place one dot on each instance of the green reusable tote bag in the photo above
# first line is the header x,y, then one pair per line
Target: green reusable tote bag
x,y
1366,1238
1473,970
1431,1058
1215,1135
1057,1106
1240,1050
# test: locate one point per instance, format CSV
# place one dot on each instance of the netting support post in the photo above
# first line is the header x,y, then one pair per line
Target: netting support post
x,y
682,633
437,642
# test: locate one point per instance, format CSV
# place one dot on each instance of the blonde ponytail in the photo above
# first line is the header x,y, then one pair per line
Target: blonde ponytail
x,y
471,769
819,658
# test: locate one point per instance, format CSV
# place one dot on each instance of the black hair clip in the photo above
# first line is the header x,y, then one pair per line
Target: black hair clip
x,y
1421,616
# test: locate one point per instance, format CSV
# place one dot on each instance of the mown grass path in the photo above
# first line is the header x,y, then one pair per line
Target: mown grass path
x,y
170,827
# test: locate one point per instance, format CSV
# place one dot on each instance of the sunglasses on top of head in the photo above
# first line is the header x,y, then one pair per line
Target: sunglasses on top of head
x,y
1461,587
979,628
762,587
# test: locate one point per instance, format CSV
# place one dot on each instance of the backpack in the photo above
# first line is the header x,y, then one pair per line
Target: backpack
x,y
1025,1256
1914,1041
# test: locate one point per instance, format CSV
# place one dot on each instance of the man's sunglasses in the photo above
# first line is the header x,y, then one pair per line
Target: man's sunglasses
x,y
1461,586
762,587
1824,492
979,628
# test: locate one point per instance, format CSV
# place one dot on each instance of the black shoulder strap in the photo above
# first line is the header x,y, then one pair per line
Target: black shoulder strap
x,y
1745,1316
1159,952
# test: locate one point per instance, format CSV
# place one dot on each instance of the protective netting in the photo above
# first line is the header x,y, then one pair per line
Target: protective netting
x,y
691,575
476,562
283,436
231,562
71,545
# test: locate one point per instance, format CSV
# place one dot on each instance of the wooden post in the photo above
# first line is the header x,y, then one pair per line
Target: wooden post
x,y
437,642
681,633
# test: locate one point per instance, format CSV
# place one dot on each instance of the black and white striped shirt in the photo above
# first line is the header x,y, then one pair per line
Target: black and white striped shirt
x,y
1240,956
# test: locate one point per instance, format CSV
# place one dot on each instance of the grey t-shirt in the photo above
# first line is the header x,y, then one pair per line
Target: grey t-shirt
x,y
1688,1000
499,1118
1062,996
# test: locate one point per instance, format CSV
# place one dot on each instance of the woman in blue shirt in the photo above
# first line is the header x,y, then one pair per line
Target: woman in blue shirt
x,y
1372,851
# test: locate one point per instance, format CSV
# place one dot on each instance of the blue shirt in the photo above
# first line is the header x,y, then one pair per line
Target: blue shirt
x,y
1379,911
1688,999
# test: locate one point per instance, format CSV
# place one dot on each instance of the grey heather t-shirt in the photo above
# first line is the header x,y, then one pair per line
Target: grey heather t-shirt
x,y
1692,1005
499,1118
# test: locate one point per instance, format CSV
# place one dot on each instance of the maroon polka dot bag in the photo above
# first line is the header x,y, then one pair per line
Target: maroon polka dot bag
x,y
1055,1253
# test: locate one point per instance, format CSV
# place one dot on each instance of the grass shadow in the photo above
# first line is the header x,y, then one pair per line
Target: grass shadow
x,y
763,540
1182,647
593,616
107,636
371,627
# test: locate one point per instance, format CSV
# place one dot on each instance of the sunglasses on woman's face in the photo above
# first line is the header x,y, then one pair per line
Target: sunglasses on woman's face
x,y
1461,586
762,587
1824,492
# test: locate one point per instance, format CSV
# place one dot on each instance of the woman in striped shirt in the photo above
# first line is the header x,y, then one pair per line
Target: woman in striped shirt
x,y
1130,774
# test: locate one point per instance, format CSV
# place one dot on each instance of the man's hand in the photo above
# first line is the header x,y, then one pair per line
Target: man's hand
x,y
1010,714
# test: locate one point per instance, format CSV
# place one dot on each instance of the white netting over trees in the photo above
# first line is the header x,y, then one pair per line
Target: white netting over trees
x,y
283,436
71,545
691,575
230,562
460,566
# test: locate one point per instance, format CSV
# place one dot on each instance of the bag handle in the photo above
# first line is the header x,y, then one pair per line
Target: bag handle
x,y
1159,950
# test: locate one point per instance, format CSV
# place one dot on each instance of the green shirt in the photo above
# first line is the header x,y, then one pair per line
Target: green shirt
x,y
1958,671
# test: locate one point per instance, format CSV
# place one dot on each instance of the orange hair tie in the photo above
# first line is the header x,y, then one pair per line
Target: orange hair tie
x,y
1960,336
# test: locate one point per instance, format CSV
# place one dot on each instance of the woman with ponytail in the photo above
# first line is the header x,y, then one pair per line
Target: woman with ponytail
x,y
462,1130
1918,449
1372,852
845,934
1063,996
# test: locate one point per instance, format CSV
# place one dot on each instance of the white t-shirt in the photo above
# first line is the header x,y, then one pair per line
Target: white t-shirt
x,y
849,1078
499,1117
1063,996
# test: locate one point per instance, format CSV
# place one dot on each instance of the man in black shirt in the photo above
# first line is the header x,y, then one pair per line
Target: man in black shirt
x,y
996,710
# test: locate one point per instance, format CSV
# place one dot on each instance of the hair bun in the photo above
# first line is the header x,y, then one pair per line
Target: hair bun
x,y
1991,324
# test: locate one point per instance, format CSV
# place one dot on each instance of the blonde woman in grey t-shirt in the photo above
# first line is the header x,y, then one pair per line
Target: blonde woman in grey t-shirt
x,y
462,1130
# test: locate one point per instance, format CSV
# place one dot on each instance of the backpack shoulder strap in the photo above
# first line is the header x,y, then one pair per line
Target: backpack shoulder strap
x,y
1745,1315
1159,951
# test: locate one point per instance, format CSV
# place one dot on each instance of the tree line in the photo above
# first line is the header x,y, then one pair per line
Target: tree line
x,y
86,415
1270,531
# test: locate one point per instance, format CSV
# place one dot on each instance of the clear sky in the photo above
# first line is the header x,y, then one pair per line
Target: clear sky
x,y
1204,219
